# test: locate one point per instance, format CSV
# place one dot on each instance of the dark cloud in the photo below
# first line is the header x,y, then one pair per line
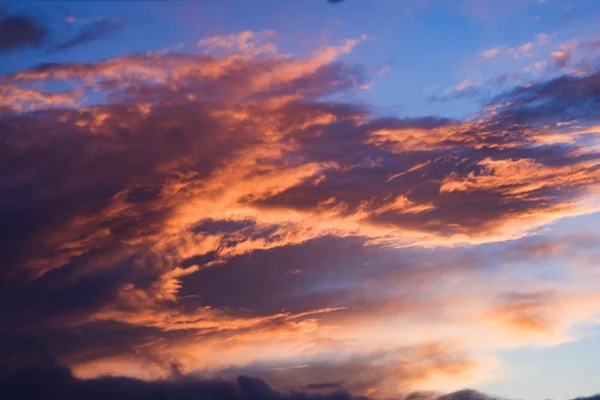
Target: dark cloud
x,y
561,58
277,290
324,385
57,382
377,373
590,45
466,394
85,256
569,96
20,31
90,32
576,90
499,79
79,173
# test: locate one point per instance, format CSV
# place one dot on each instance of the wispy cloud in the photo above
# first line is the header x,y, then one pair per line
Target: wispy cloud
x,y
89,32
491,52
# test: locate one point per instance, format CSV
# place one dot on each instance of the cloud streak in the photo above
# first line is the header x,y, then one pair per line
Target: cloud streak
x,y
90,32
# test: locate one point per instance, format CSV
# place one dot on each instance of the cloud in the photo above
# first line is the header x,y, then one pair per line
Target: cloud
x,y
90,32
386,68
246,41
166,223
574,95
561,58
58,382
20,31
490,53
324,385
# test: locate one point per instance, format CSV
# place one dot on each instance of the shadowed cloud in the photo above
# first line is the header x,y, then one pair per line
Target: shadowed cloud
x,y
58,382
19,32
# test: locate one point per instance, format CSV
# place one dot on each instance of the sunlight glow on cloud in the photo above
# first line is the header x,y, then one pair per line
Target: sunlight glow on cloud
x,y
236,161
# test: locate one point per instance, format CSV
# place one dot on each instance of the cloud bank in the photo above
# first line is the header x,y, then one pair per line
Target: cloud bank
x,y
58,382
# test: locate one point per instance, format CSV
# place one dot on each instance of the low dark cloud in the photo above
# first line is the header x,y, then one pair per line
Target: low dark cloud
x,y
20,32
55,382
90,32
324,385
466,394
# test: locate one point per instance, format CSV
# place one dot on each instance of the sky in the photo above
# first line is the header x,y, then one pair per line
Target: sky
x,y
300,199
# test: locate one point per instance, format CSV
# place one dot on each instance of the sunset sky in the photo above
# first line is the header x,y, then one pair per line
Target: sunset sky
x,y
378,197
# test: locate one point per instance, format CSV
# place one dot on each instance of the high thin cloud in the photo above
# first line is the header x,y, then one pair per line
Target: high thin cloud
x,y
89,33
157,227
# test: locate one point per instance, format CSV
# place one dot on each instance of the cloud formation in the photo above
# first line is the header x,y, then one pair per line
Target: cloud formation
x,y
90,32
157,227
20,32
58,382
